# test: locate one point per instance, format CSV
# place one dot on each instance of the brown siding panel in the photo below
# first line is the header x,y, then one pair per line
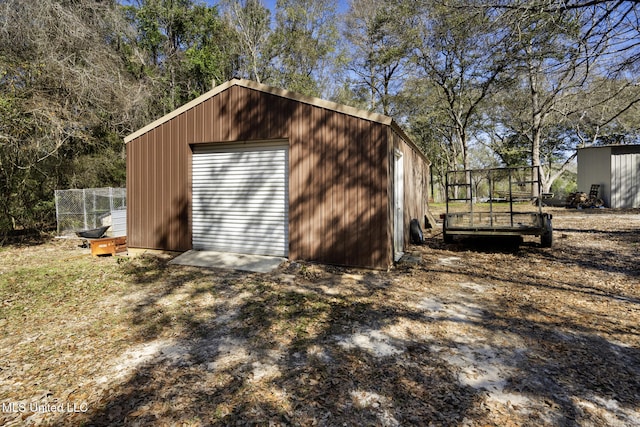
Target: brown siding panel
x,y
328,187
237,125
132,195
150,211
337,195
323,222
161,174
156,191
148,173
154,209
378,206
198,123
353,222
216,111
313,191
295,205
207,114
172,160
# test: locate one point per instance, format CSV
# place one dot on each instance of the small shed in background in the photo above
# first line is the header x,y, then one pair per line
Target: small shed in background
x,y
250,168
616,168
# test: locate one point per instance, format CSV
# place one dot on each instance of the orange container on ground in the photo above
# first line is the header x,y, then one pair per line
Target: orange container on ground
x,y
108,246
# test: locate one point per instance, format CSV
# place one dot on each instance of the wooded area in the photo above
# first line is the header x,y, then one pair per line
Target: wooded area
x,y
475,83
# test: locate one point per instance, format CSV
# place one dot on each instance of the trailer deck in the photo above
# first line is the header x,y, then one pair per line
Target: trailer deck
x,y
496,202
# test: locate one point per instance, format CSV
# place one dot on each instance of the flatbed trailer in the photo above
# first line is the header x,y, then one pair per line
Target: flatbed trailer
x,y
496,202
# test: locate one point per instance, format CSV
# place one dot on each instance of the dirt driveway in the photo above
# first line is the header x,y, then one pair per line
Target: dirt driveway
x,y
460,334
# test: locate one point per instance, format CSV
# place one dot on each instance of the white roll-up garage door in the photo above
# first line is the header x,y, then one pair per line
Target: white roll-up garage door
x,y
240,198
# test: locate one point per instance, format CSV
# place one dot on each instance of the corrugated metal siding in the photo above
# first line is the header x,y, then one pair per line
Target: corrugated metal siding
x,y
625,180
337,188
240,198
158,189
338,179
119,222
416,184
616,168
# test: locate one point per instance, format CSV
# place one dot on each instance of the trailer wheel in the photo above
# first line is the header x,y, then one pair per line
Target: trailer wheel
x,y
546,239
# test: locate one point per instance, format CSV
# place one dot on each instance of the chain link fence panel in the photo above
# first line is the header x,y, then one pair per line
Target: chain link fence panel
x,y
84,209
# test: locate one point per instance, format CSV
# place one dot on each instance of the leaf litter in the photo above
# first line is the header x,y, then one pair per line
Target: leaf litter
x,y
465,334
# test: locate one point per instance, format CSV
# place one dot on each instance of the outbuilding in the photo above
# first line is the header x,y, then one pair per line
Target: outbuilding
x,y
616,168
250,168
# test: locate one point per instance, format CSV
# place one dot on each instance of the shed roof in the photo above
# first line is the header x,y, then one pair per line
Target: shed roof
x,y
329,105
630,147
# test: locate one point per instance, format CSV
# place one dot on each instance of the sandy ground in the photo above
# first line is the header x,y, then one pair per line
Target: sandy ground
x,y
469,333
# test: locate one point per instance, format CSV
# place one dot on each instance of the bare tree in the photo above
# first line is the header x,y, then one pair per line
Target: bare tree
x,y
66,91
380,34
463,57
563,57
251,22
304,44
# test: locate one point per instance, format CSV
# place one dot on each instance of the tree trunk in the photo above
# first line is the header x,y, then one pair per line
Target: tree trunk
x,y
537,119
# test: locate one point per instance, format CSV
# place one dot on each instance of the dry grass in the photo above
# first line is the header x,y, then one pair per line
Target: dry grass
x,y
462,334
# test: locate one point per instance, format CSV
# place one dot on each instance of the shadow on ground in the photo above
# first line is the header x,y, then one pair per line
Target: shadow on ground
x,y
283,352
315,345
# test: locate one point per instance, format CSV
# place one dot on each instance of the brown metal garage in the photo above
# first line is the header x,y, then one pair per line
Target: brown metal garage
x,y
251,168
